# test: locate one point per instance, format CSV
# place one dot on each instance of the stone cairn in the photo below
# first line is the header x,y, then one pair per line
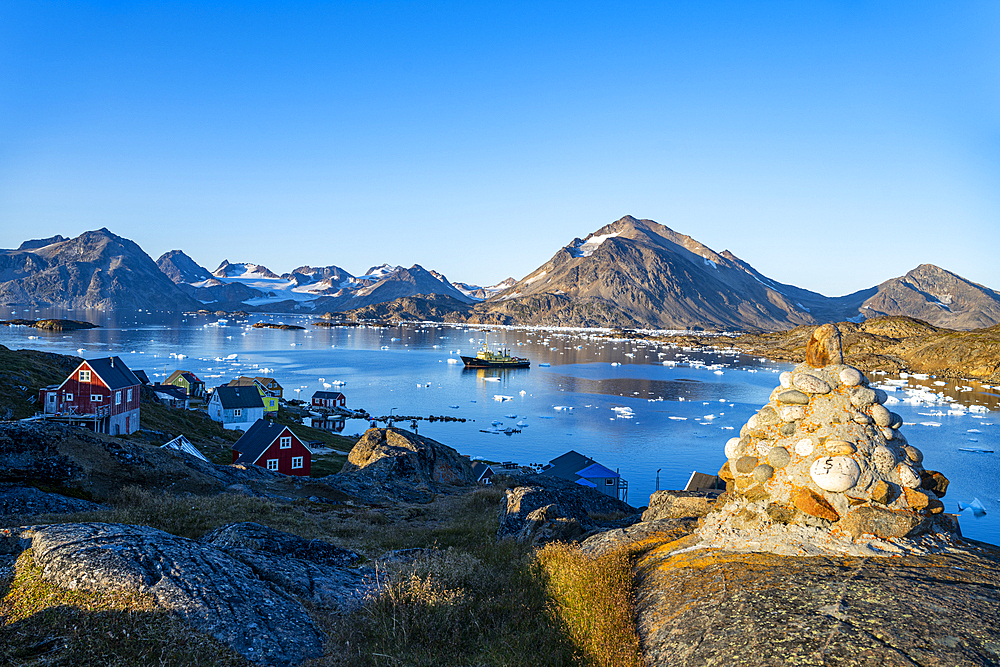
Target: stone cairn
x,y
823,469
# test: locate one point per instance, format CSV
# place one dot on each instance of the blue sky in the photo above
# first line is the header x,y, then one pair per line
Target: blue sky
x,y
830,145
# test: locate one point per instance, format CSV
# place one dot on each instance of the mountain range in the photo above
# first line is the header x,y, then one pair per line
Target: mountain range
x,y
631,273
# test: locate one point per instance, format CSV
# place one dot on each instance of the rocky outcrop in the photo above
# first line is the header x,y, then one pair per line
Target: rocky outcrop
x,y
180,268
890,344
98,466
679,504
393,464
19,500
545,508
240,584
711,607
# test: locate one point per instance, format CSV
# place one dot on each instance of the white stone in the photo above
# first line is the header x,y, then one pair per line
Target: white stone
x,y
835,473
887,433
810,384
731,446
804,447
752,422
908,476
851,376
785,379
790,413
881,415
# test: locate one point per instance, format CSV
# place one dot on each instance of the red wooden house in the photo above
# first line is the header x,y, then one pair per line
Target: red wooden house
x,y
328,399
100,394
275,447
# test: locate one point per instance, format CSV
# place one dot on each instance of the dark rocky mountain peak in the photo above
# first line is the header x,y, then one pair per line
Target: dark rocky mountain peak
x,y
228,270
41,243
94,270
935,295
182,269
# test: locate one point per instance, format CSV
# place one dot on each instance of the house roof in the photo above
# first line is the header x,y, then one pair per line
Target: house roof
x,y
327,394
480,469
187,375
565,466
597,471
239,397
112,371
182,444
170,390
258,439
266,380
242,381
143,378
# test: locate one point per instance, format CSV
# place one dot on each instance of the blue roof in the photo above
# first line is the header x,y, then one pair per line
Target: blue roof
x,y
586,482
596,470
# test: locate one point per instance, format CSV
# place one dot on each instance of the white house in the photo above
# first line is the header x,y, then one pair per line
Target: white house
x,y
237,408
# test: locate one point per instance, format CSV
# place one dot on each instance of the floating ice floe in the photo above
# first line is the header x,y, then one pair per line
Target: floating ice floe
x,y
511,416
545,365
500,398
930,423
452,360
976,506
562,407
679,419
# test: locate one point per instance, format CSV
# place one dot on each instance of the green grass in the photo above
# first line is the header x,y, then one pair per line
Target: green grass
x,y
44,624
23,373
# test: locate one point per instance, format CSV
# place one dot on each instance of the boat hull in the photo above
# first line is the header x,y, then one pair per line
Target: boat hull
x,y
476,362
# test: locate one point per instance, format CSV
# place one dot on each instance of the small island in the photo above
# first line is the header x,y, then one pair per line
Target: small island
x,y
271,325
50,325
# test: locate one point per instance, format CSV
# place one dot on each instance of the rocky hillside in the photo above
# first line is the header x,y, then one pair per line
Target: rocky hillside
x,y
95,270
937,296
891,344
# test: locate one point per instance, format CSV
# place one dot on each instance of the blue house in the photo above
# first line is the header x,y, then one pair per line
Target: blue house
x,y
236,407
585,471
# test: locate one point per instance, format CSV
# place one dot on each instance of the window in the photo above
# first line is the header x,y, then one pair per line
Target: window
x,y
128,395
96,398
84,376
69,396
118,398
237,412
609,482
296,462
272,464
285,443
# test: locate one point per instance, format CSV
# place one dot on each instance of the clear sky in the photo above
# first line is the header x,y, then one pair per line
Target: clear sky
x,y
832,145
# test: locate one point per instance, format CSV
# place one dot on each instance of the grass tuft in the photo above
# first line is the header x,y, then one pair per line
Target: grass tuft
x,y
593,600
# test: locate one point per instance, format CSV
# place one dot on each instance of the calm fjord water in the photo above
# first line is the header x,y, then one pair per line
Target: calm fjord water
x,y
613,400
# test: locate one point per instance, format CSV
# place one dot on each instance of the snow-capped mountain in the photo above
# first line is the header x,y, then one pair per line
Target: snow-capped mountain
x,y
482,293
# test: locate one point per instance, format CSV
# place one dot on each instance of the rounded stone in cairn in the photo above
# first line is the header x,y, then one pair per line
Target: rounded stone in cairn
x,y
896,422
840,447
835,473
804,447
881,415
861,397
785,379
851,377
810,384
887,433
778,457
908,477
762,473
793,396
791,413
884,460
731,447
914,454
745,465
880,395
861,418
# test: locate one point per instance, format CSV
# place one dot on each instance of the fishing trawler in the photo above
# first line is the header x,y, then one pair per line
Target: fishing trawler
x,y
499,359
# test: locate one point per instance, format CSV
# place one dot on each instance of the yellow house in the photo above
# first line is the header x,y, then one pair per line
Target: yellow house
x,y
270,390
